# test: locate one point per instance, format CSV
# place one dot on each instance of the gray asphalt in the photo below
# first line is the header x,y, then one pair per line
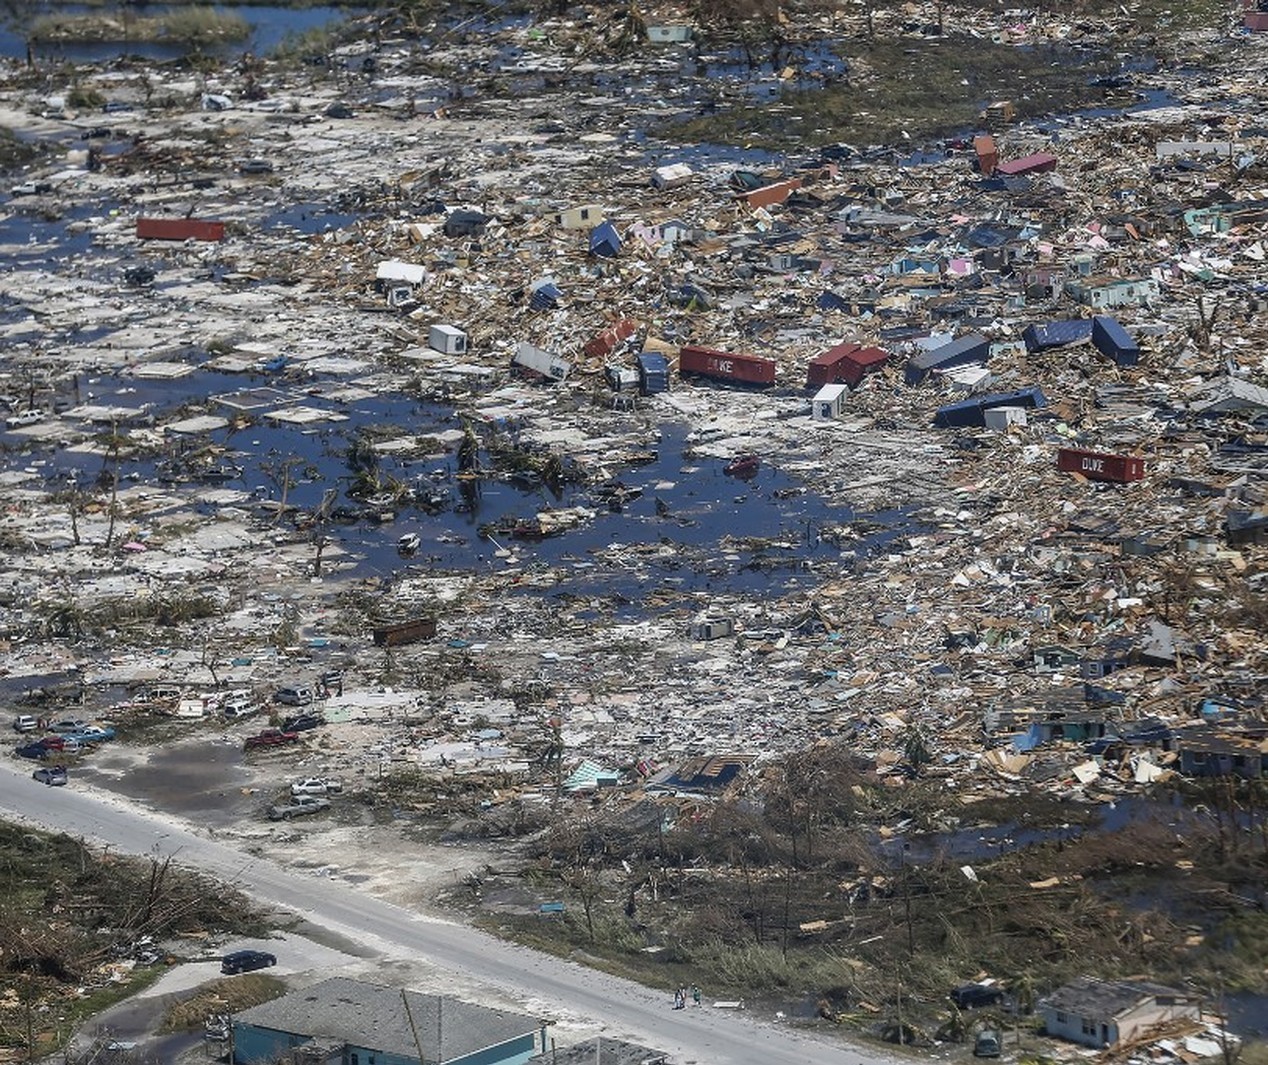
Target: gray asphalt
x,y
624,1008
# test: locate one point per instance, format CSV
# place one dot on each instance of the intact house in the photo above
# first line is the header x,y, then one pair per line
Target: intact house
x,y
350,1022
1102,1013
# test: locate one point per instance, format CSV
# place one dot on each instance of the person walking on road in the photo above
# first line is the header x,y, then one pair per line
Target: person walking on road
x,y
695,994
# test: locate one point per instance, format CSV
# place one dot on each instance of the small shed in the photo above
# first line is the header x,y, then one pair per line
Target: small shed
x,y
447,339
829,402
586,216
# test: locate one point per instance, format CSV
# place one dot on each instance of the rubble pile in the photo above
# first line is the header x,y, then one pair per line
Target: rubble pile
x,y
690,452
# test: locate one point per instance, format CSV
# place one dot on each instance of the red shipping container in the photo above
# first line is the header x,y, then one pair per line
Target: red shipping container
x,y
987,154
179,229
1039,163
771,194
844,364
751,369
605,343
1098,466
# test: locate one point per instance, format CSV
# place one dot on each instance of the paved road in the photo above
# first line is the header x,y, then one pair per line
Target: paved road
x,y
705,1036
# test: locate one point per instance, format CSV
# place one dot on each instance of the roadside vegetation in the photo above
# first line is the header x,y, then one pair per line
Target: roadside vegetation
x,y
81,929
795,888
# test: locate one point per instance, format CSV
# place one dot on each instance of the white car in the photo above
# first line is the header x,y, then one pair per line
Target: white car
x,y
316,786
238,704
27,417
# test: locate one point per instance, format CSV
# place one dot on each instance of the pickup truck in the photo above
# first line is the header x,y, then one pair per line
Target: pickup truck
x,y
298,807
270,737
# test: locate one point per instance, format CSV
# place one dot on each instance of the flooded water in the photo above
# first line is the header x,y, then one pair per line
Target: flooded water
x,y
980,843
684,504
270,27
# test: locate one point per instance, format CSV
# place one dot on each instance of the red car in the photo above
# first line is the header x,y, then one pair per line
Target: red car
x,y
270,737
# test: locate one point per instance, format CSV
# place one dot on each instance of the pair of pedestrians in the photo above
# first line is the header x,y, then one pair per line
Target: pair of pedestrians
x,y
680,997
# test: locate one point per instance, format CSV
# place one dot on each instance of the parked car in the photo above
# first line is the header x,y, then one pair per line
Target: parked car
x,y
971,996
255,166
270,737
246,961
987,1044
26,417
26,723
303,722
70,724
36,751
298,807
293,696
91,734
316,786
332,677
52,775
65,744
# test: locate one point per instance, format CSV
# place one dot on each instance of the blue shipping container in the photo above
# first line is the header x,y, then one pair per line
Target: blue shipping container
x,y
971,412
1113,341
653,373
968,349
1057,334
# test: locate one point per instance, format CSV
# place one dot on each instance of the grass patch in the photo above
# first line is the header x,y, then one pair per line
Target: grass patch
x,y
223,996
188,25
15,152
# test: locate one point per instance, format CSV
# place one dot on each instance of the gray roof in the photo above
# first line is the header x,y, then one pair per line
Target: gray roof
x,y
375,1018
1106,999
604,1051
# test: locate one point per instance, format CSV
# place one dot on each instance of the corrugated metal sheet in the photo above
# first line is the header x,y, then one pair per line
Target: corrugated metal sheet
x,y
751,369
179,229
967,349
1039,163
605,343
768,195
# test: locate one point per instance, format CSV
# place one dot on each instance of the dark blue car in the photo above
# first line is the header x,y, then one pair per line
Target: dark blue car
x,y
33,750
